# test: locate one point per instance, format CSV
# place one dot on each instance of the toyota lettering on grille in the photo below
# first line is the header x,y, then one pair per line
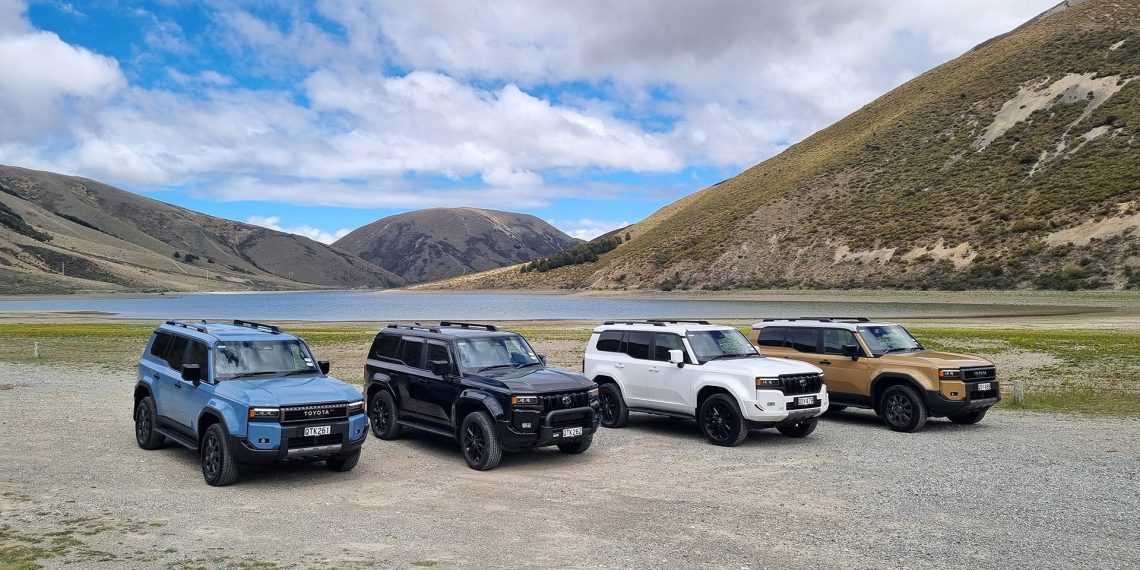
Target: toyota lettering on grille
x,y
315,413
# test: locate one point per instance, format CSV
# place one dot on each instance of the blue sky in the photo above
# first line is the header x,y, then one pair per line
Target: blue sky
x,y
319,117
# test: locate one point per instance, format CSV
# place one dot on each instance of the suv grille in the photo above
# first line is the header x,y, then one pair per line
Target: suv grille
x,y
314,440
551,402
987,374
801,383
318,412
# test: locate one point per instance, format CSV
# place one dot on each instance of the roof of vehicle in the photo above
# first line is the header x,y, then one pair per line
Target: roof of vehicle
x,y
662,325
235,330
447,329
849,323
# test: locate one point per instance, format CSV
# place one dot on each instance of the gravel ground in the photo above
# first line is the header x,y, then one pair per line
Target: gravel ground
x,y
1017,490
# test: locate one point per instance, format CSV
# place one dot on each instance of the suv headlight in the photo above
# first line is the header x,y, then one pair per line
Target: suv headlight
x,y
953,374
355,407
769,384
592,393
264,414
524,400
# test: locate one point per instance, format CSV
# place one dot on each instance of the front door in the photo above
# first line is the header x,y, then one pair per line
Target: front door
x,y
192,399
669,387
844,376
441,390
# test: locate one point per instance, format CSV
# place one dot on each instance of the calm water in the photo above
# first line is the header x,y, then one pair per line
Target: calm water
x,y
386,306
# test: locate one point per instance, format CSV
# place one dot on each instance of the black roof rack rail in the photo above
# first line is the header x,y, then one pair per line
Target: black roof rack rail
x,y
258,326
491,328
677,321
822,319
654,323
200,328
413,327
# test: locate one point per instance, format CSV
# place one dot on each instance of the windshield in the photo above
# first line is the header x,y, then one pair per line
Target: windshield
x,y
888,338
255,357
478,354
710,345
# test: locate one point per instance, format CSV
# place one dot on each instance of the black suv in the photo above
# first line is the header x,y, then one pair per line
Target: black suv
x,y
485,387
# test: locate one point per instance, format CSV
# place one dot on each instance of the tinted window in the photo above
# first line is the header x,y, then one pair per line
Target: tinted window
x,y
386,346
637,344
437,352
411,352
610,341
771,336
834,339
804,340
198,355
160,344
666,342
177,352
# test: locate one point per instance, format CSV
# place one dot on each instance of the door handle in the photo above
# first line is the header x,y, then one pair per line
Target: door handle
x,y
825,361
619,365
155,375
655,370
178,385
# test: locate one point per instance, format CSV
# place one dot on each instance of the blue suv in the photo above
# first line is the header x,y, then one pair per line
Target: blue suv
x,y
242,394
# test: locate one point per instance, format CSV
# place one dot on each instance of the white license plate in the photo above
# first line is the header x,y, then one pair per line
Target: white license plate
x,y
572,432
805,401
984,386
318,430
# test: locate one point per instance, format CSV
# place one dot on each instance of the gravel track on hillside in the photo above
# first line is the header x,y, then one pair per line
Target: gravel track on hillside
x,y
1017,490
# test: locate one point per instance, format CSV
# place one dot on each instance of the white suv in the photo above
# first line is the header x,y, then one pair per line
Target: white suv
x,y
711,373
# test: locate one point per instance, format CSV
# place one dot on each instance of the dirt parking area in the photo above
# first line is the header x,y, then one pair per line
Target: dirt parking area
x,y
1018,490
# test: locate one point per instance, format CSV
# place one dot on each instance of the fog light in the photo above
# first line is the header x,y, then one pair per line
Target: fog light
x,y
263,440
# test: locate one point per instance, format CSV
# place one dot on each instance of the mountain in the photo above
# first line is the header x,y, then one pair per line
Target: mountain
x,y
1016,165
437,243
63,233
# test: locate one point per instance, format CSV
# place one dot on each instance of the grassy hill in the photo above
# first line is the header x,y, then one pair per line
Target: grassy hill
x,y
1016,165
62,233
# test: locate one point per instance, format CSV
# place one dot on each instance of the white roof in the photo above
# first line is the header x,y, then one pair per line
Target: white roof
x,y
678,327
838,323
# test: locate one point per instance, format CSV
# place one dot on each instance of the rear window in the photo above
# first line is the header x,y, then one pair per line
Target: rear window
x,y
805,340
637,344
161,344
771,336
386,346
177,352
410,354
610,341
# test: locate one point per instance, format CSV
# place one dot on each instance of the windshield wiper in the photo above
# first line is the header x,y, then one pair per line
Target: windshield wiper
x,y
890,350
711,358
296,372
521,364
249,374
493,366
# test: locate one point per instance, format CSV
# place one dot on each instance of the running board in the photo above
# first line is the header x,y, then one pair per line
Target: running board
x,y
177,438
425,427
665,413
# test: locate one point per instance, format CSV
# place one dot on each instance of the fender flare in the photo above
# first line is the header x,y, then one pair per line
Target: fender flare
x,y
885,376
225,414
483,399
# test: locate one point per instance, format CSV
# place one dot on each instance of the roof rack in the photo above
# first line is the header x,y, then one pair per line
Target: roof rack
x,y
654,323
258,326
822,319
413,327
677,321
200,328
491,328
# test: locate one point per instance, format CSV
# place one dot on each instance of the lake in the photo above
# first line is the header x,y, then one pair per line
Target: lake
x,y
491,306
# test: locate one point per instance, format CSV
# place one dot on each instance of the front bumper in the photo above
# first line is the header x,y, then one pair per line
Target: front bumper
x,y
773,407
551,429
974,400
290,444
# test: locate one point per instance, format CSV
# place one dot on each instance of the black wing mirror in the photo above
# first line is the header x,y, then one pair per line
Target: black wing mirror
x,y
542,358
324,366
192,373
440,367
851,350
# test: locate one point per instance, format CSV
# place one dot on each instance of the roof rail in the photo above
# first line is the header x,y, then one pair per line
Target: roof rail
x,y
491,328
654,323
822,319
413,327
677,321
258,326
200,328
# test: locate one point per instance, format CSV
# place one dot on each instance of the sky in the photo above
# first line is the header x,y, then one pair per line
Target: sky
x,y
317,117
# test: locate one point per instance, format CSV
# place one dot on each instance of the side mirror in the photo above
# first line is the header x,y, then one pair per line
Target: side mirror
x,y
851,350
677,357
542,357
192,373
324,366
440,367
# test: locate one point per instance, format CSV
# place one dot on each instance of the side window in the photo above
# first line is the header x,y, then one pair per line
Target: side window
x,y
386,347
610,341
411,351
805,339
771,336
834,339
664,342
198,354
160,345
637,344
177,353
437,352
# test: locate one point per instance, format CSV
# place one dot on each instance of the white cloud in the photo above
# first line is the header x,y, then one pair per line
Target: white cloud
x,y
316,234
586,228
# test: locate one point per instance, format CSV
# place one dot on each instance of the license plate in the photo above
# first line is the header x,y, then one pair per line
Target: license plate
x,y
805,401
984,386
318,430
572,432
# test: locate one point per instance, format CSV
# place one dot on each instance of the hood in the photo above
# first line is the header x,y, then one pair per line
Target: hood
x,y
938,359
289,391
764,366
543,380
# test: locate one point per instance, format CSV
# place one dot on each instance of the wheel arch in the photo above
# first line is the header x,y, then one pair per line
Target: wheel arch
x,y
379,382
711,389
887,380
475,400
209,417
142,390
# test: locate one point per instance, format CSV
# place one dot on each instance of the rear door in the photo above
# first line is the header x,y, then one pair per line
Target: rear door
x,y
410,378
669,387
638,346
171,393
152,367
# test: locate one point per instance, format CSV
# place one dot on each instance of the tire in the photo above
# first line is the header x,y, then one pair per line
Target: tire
x,y
145,433
968,418
721,421
834,410
479,441
576,447
799,429
344,463
382,416
218,466
902,409
612,411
